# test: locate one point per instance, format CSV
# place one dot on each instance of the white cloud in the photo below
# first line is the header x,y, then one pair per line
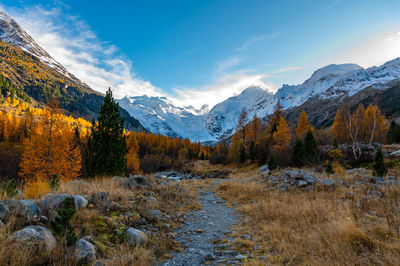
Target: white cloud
x,y
227,85
254,39
286,69
70,41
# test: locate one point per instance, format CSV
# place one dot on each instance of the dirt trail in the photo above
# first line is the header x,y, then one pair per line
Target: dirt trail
x,y
214,221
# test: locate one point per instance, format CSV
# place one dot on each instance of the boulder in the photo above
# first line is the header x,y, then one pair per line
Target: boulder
x,y
263,169
135,237
25,209
85,252
4,212
154,215
80,201
102,201
135,181
118,180
328,182
38,236
52,202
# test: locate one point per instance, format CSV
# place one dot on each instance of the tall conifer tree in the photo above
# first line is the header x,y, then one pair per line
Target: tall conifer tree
x,y
106,152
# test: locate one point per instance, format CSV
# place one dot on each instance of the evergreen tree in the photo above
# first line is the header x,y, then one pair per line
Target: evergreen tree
x,y
272,163
106,151
311,148
242,153
298,157
393,135
252,151
329,168
202,156
61,225
379,165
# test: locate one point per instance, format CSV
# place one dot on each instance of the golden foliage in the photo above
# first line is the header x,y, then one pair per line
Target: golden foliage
x,y
303,125
36,189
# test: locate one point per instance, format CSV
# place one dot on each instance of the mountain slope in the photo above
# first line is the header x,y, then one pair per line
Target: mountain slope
x,y
34,77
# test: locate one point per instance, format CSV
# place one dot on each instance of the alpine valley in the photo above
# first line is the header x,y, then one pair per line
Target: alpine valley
x,y
34,74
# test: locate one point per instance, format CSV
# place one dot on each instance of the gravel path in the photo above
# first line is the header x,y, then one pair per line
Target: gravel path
x,y
212,222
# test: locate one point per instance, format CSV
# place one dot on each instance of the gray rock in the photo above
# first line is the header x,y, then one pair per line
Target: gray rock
x,y
154,215
4,212
326,181
135,181
88,239
39,236
101,200
52,202
99,263
85,251
240,257
135,237
118,180
263,169
209,257
26,209
80,201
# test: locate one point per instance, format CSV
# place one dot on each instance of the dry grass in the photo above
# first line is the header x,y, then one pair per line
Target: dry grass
x,y
316,227
103,226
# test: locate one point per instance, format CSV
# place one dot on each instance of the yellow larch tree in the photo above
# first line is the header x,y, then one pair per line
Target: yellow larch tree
x,y
281,138
132,158
50,151
303,125
338,129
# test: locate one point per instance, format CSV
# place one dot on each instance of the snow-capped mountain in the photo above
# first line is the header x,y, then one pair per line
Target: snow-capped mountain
x,y
11,32
158,114
323,78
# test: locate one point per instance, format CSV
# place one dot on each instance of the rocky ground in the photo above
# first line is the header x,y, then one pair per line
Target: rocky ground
x,y
202,232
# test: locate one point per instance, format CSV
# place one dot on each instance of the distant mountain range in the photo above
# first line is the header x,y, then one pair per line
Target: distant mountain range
x,y
36,75
326,89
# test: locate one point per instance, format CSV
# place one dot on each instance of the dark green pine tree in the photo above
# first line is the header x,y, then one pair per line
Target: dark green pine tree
x,y
272,163
242,153
252,151
379,165
393,135
106,147
329,168
311,148
298,157
61,225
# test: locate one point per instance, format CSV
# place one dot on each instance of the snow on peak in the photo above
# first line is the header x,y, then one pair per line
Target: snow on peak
x,y
11,32
333,69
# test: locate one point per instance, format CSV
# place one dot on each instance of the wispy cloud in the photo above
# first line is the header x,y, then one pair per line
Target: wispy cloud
x,y
286,69
70,41
227,64
254,39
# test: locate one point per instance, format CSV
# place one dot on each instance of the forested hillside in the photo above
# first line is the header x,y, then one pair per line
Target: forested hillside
x,y
26,77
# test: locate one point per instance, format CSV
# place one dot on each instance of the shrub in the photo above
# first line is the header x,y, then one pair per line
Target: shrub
x,y
9,188
379,165
329,168
272,163
36,189
298,157
61,225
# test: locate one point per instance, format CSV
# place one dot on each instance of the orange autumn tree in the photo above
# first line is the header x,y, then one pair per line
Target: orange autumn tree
x,y
303,125
338,129
374,126
281,139
132,158
50,151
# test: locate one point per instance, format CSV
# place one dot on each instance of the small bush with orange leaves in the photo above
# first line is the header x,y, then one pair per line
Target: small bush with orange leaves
x,y
36,189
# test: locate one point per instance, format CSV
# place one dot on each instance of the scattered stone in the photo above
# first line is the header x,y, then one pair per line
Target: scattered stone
x,y
85,251
4,212
102,201
135,237
118,180
209,257
25,209
80,202
154,215
263,169
36,235
135,181
329,182
88,239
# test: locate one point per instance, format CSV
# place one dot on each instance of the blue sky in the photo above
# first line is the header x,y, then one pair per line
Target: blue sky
x,y
198,52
